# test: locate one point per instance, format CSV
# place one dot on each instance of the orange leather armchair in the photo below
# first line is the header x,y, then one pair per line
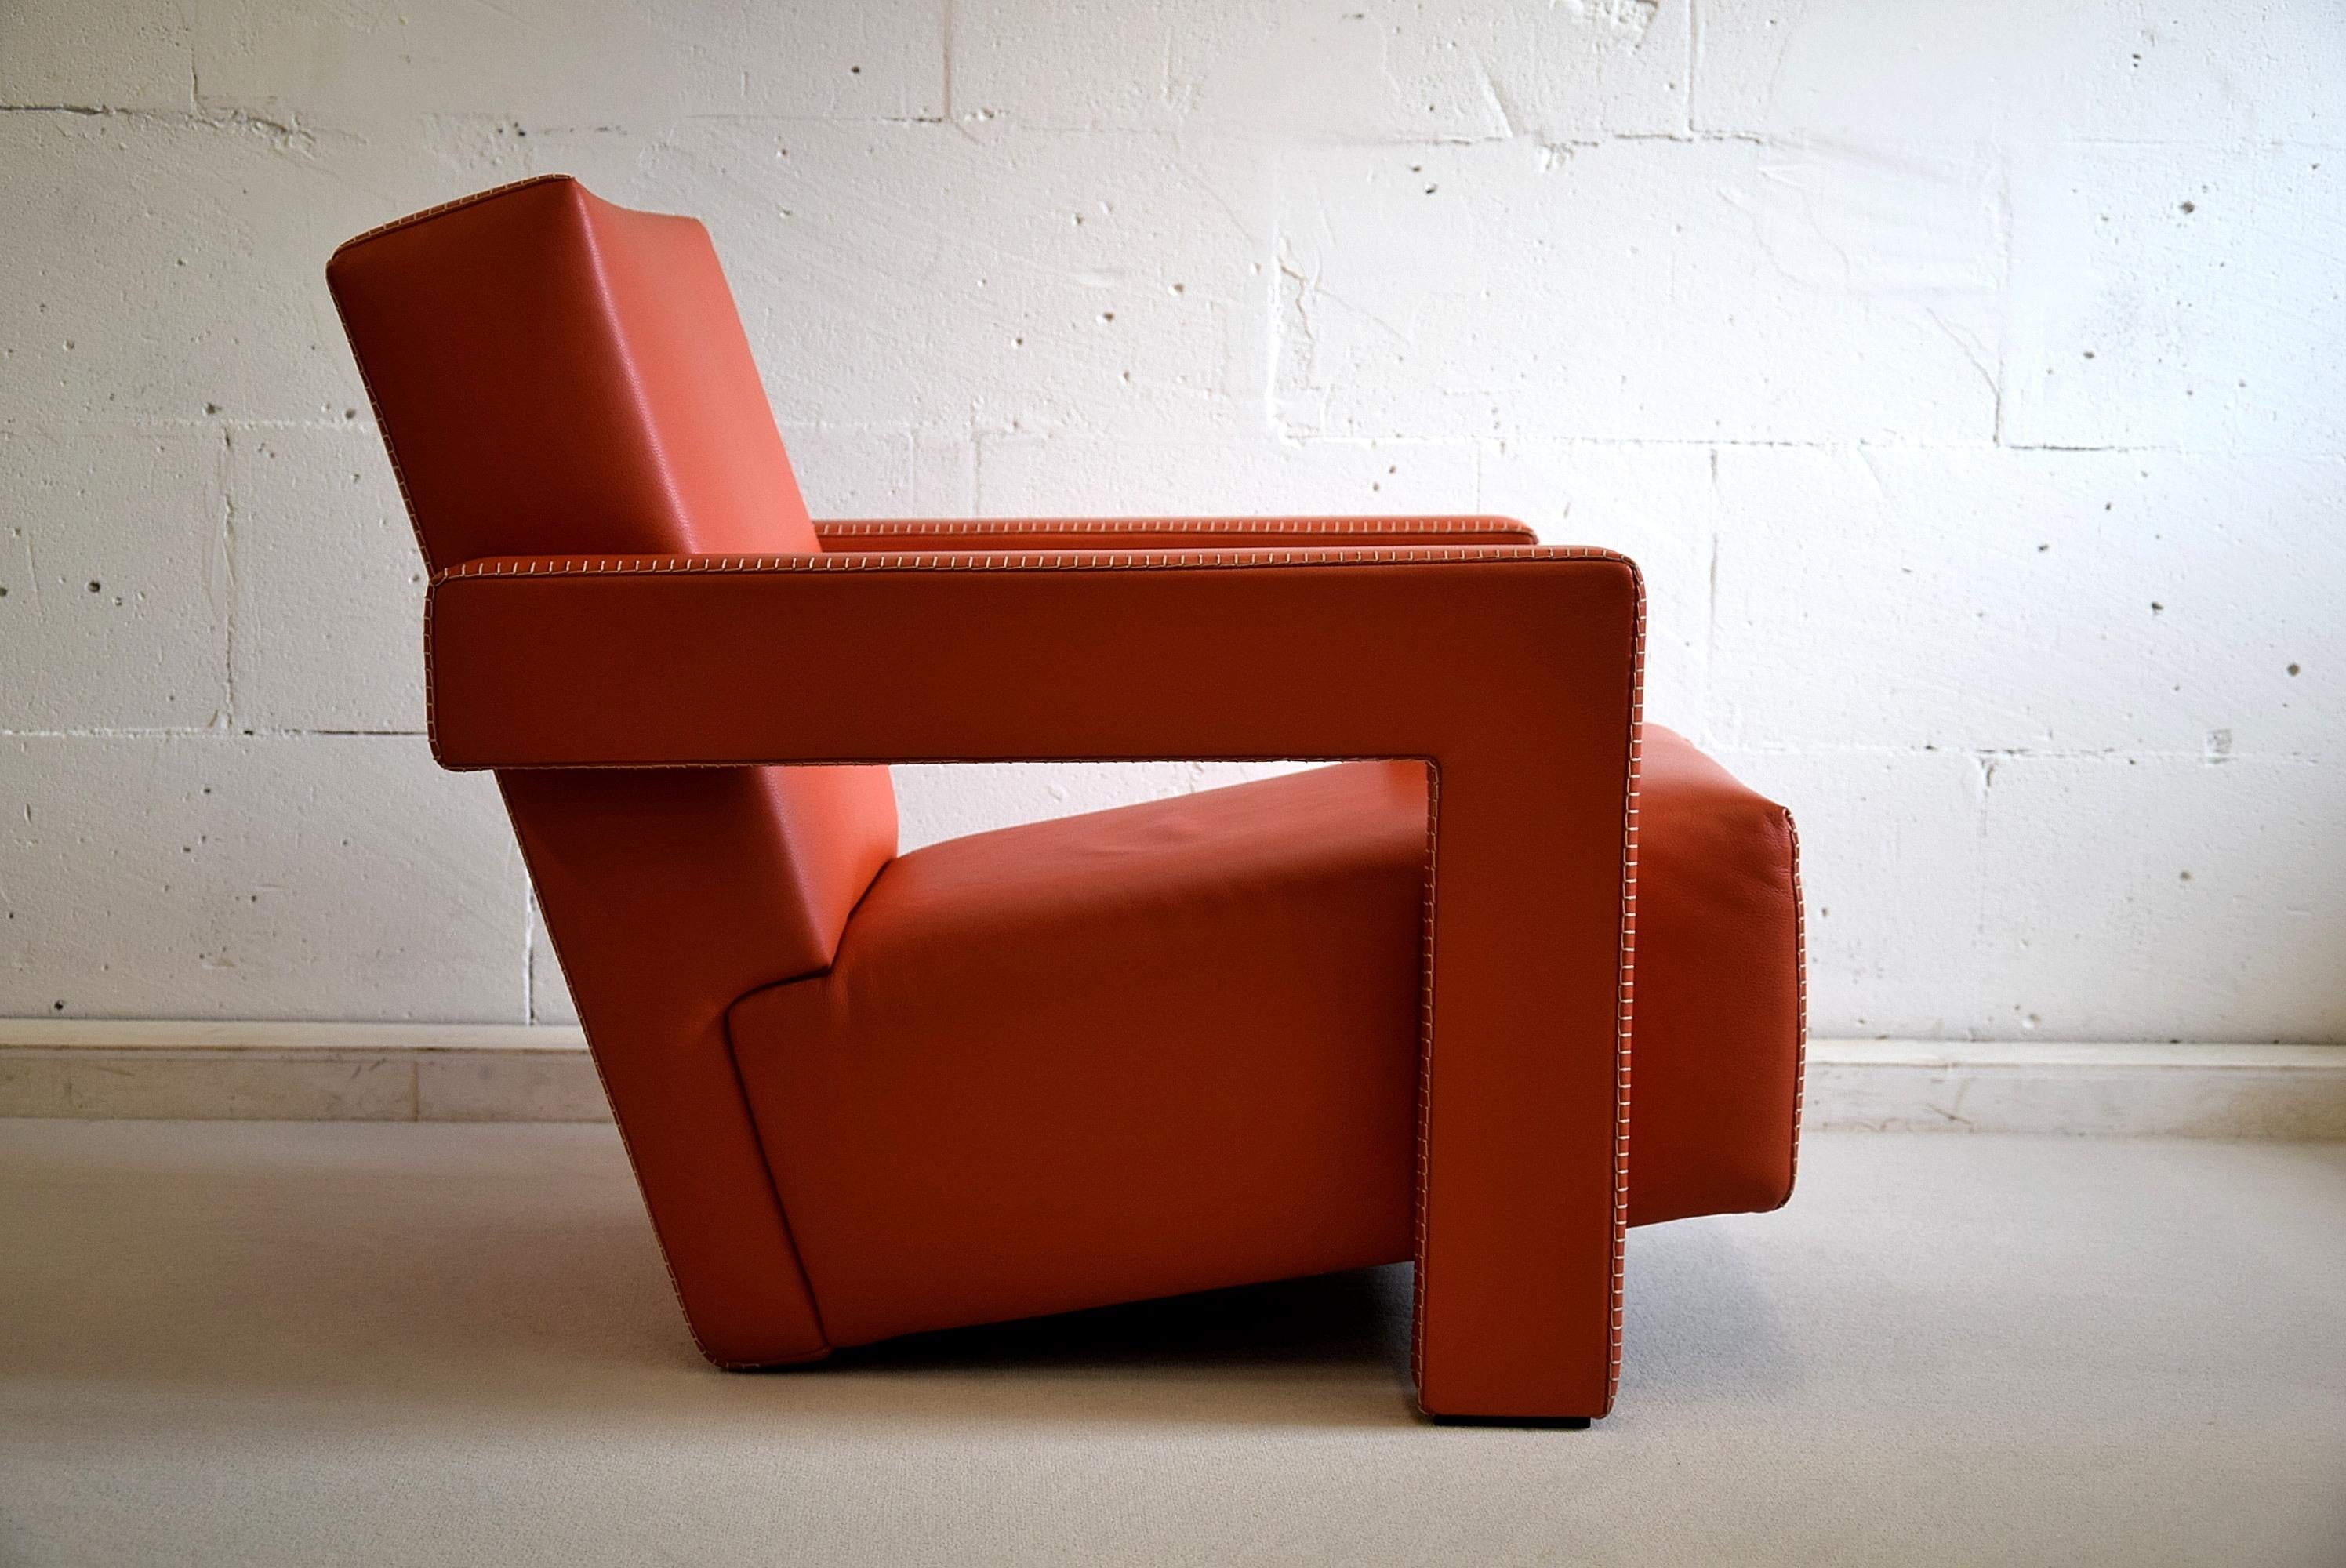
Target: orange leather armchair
x,y
1376,1010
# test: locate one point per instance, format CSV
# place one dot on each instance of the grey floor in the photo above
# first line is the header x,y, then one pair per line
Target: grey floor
x,y
237,1342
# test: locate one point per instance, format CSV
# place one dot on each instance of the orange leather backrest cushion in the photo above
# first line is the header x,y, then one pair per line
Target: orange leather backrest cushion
x,y
559,375
555,375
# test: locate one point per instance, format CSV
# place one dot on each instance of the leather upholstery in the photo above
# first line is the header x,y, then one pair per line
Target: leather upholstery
x,y
608,399
551,371
1378,1006
1513,670
1721,1017
1193,1025
1254,1116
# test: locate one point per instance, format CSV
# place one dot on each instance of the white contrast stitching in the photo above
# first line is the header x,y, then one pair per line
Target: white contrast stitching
x,y
1016,561
413,219
398,476
1425,1087
1369,527
1624,1040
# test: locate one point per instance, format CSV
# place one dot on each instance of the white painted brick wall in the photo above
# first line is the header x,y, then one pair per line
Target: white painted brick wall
x,y
1964,377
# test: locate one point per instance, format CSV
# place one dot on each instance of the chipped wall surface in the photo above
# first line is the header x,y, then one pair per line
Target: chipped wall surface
x,y
1964,377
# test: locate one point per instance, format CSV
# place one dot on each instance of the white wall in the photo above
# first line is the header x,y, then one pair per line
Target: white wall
x,y
1965,376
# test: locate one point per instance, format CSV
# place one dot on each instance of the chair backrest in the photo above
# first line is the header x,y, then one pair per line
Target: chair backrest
x,y
555,375
559,375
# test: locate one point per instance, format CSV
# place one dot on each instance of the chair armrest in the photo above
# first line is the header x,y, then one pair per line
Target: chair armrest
x,y
684,660
1166,533
1513,671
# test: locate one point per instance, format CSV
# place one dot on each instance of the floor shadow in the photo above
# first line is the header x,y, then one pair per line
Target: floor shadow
x,y
1324,1352
1357,1319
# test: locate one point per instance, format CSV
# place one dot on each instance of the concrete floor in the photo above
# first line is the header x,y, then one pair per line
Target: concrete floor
x,y
301,1343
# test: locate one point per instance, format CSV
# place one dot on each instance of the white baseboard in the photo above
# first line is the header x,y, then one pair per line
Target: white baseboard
x,y
514,1073
298,1072
2120,1089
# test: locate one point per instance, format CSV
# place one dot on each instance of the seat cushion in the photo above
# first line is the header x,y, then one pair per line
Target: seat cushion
x,y
1174,1047
1151,1050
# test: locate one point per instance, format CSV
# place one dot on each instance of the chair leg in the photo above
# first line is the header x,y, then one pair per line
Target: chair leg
x,y
1524,1099
1518,1282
